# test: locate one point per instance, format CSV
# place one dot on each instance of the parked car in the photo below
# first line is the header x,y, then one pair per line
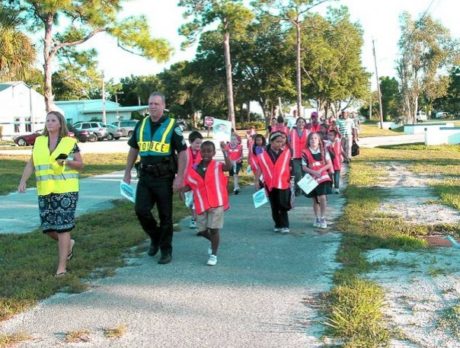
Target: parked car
x,y
127,127
441,114
82,135
27,139
113,132
93,127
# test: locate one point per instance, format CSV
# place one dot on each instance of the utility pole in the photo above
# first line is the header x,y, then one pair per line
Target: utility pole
x,y
116,101
104,117
370,106
378,85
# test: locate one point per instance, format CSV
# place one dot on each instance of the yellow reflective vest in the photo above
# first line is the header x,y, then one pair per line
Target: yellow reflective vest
x,y
158,144
50,176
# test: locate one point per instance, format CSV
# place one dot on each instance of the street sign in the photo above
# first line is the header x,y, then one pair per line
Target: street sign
x,y
208,121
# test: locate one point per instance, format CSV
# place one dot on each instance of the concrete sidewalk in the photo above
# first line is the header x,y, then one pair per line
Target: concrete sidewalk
x,y
19,211
260,294
391,140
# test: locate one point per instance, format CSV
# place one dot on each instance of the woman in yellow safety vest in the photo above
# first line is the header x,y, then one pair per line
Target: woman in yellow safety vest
x,y
56,161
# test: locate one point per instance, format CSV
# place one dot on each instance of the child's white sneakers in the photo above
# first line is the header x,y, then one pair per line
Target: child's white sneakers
x,y
212,261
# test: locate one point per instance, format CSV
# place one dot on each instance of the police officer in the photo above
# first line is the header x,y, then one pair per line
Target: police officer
x,y
157,139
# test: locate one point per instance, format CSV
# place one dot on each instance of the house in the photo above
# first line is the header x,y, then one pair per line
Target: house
x,y
22,109
92,110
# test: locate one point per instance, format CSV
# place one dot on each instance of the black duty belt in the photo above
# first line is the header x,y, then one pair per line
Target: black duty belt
x,y
157,169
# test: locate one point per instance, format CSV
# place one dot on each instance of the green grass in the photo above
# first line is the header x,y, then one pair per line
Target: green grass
x,y
355,313
77,336
29,260
115,332
372,130
450,320
354,308
9,340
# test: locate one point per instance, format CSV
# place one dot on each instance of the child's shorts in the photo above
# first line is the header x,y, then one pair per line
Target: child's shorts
x,y
213,218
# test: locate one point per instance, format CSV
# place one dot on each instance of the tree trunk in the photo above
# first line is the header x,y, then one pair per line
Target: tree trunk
x,y
228,73
299,74
48,55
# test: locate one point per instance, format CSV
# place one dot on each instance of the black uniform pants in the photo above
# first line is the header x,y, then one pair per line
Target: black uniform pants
x,y
151,191
280,202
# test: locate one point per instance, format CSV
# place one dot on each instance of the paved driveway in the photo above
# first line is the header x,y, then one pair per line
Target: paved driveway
x,y
258,295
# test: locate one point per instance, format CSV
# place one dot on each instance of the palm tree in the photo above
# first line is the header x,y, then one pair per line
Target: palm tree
x,y
17,53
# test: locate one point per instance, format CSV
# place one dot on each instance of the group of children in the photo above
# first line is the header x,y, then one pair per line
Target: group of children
x,y
288,154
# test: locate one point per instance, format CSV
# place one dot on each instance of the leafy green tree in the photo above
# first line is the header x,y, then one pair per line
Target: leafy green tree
x,y
389,87
135,90
232,17
294,12
426,49
181,84
451,101
265,65
78,76
82,20
17,53
331,61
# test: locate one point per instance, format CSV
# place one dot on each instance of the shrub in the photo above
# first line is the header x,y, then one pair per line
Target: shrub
x,y
258,125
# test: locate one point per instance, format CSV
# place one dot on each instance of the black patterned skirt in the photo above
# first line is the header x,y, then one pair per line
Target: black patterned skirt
x,y
57,211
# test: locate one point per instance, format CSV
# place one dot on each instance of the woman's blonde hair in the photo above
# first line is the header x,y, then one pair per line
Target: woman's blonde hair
x,y
63,131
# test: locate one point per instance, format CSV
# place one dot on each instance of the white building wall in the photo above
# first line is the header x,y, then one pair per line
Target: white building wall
x,y
420,128
22,110
442,136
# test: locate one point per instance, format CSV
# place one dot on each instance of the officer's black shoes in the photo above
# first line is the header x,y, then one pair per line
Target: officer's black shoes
x,y
165,258
153,250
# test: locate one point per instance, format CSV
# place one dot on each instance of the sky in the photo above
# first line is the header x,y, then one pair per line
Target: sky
x,y
378,18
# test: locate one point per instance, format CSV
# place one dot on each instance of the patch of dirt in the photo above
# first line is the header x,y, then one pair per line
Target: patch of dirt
x,y
411,198
419,286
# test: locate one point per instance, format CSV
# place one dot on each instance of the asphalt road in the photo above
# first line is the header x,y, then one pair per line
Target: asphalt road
x,y
121,146
260,293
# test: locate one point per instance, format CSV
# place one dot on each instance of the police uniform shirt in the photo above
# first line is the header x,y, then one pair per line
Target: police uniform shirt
x,y
177,140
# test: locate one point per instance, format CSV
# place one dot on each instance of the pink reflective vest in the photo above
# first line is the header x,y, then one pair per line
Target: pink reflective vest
x,y
318,166
278,174
210,191
298,143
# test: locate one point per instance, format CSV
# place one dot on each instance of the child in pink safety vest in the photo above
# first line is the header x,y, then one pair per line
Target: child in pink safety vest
x,y
316,161
314,126
234,150
209,186
297,143
280,126
256,146
336,151
274,165
193,157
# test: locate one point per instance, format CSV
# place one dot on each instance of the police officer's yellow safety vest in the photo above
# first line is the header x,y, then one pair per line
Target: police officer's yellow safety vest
x,y
159,143
52,177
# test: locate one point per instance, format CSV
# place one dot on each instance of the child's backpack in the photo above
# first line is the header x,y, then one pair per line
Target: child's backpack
x,y
355,149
